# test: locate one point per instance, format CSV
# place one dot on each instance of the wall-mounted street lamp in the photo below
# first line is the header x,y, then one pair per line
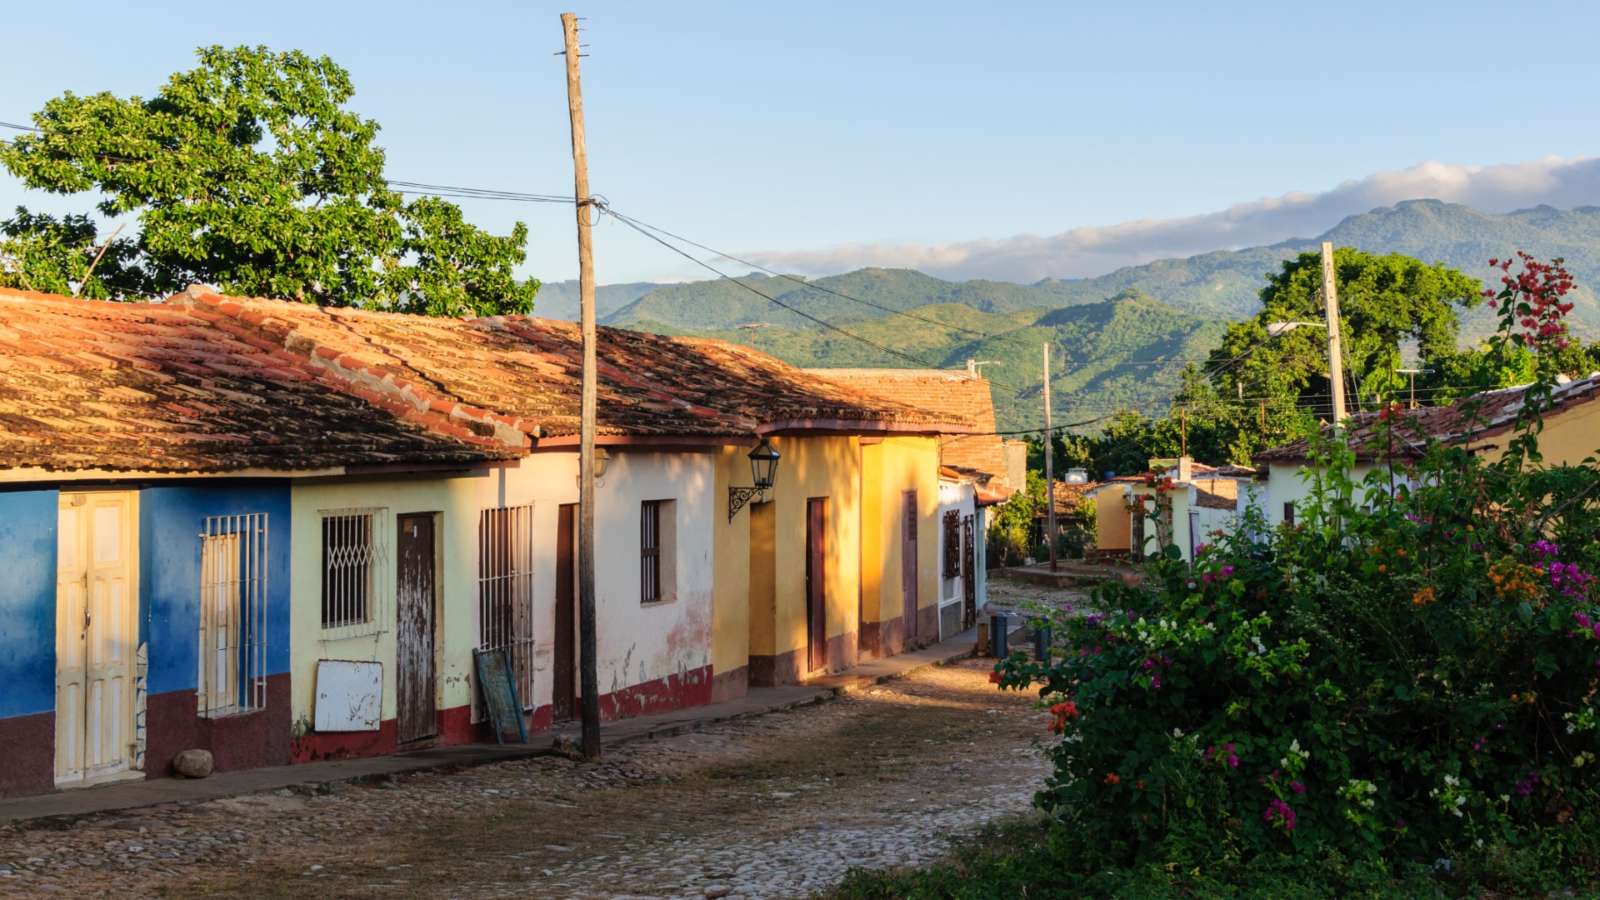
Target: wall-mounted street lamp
x,y
763,471
601,457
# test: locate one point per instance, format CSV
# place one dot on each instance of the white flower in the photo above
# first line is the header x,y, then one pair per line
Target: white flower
x,y
1177,732
1451,780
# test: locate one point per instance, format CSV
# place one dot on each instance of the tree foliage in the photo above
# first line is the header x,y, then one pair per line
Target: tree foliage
x,y
250,173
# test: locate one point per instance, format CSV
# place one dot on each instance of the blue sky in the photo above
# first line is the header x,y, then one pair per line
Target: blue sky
x,y
832,134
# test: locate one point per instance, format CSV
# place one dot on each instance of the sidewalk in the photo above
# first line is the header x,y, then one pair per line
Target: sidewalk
x,y
307,776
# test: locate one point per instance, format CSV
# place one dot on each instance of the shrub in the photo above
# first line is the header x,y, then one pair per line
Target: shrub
x,y
1401,688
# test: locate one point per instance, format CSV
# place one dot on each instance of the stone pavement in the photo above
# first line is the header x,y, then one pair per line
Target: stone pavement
x,y
759,701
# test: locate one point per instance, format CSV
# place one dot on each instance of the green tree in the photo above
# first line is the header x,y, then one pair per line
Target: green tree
x,y
249,173
1385,304
43,253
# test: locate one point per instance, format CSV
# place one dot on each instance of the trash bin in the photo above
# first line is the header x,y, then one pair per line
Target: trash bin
x,y
1041,640
999,623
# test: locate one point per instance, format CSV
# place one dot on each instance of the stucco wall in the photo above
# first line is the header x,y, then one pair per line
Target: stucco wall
x,y
637,644
730,547
813,467
170,521
28,602
899,464
1112,521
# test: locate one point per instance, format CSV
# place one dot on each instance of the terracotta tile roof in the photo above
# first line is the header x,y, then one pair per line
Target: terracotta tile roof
x,y
1069,496
524,373
1468,419
950,392
1213,500
90,384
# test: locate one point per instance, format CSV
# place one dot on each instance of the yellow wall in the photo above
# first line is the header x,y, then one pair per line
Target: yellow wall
x,y
816,467
1113,522
1570,435
731,589
896,465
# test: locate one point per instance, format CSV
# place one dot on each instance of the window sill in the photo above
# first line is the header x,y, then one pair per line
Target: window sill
x,y
664,601
229,714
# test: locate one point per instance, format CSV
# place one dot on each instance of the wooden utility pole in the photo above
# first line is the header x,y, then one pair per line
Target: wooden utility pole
x,y
1183,430
1049,465
590,671
1330,299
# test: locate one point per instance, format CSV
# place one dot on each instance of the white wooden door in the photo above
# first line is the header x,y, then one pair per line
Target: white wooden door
x,y
96,634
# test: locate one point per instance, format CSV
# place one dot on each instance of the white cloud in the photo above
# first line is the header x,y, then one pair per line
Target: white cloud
x,y
1093,251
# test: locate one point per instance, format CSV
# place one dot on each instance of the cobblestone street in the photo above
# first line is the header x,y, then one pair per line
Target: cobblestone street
x,y
774,806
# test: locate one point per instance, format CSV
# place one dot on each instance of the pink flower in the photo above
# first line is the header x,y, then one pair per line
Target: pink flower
x,y
1297,787
1281,814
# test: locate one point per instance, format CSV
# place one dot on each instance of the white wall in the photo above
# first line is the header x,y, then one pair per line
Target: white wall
x,y
961,497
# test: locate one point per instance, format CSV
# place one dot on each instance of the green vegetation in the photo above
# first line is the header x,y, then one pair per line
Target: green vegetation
x,y
249,173
1399,695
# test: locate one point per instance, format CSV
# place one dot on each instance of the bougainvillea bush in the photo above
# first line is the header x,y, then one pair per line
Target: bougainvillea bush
x,y
1405,680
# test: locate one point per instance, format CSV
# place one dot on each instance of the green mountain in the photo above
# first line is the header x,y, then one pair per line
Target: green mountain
x,y
1124,351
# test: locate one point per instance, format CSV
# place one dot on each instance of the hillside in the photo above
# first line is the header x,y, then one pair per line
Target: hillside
x,y
1095,338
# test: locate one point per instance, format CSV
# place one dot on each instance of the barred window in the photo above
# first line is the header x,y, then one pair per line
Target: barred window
x,y
232,674
354,557
952,544
505,590
657,569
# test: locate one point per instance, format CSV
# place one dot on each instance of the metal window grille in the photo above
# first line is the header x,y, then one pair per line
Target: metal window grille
x,y
650,551
355,572
952,544
505,590
1288,512
233,615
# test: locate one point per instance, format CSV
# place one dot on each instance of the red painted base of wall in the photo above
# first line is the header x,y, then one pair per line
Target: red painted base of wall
x,y
28,748
692,688
871,643
244,741
730,685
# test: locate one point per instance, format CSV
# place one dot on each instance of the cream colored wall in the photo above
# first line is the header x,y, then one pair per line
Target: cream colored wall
x,y
636,643
455,533
816,467
731,589
1570,436
876,540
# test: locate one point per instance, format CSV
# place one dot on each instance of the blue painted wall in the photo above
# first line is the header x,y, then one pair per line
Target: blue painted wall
x,y
27,602
170,521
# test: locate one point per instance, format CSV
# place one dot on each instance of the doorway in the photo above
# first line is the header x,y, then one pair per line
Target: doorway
x,y
908,565
97,604
417,714
564,683
816,583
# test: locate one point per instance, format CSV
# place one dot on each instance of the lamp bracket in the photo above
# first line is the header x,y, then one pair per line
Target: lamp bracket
x,y
738,497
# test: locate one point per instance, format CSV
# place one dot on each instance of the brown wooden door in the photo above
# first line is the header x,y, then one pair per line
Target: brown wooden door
x,y
565,680
908,564
816,583
414,666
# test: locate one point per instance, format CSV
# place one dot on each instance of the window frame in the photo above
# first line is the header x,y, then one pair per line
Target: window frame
x,y
231,664
357,588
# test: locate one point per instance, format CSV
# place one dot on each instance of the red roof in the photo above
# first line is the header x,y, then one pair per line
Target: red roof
x,y
524,373
95,385
1468,419
953,393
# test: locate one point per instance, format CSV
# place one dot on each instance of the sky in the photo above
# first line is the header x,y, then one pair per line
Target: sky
x,y
1013,141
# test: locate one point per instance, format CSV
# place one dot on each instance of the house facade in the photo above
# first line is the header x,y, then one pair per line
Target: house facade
x,y
1482,423
146,472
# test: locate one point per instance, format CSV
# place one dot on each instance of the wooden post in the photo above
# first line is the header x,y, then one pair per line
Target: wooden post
x,y
1330,299
589,669
1049,466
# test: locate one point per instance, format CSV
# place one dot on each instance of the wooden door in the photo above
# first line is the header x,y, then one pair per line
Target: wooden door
x,y
969,574
816,583
96,634
565,678
908,564
414,664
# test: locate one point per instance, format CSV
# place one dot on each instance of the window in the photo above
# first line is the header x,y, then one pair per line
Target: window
x,y
657,558
952,544
233,609
1288,512
505,590
354,557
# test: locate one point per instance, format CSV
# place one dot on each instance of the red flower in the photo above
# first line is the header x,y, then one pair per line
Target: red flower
x,y
1113,778
994,677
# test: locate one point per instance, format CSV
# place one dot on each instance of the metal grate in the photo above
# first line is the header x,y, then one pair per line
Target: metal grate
x,y
233,615
355,572
650,551
952,544
505,590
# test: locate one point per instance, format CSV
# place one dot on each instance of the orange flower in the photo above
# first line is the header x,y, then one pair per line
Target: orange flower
x,y
1382,568
1423,596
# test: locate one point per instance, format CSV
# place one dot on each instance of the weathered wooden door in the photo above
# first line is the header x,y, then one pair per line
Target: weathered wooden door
x,y
816,583
908,564
417,712
565,680
96,634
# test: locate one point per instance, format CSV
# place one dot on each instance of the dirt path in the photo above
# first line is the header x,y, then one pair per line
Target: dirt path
x,y
775,806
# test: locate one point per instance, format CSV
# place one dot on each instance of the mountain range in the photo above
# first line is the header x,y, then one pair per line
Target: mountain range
x,y
1120,340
